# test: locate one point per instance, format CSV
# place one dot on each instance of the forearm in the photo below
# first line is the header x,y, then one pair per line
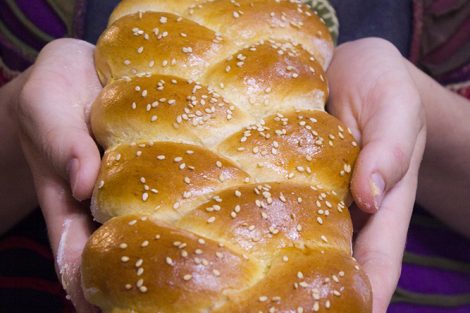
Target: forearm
x,y
444,180
16,187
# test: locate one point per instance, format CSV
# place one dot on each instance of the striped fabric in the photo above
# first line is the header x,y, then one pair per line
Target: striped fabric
x,y
27,25
28,282
441,41
436,268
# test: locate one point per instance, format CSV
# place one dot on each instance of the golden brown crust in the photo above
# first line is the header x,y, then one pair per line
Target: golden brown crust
x,y
268,77
155,42
163,108
165,179
129,7
153,267
246,22
306,281
224,184
261,219
311,147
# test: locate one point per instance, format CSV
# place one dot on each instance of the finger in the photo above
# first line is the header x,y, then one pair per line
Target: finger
x,y
390,129
69,226
379,101
379,246
53,112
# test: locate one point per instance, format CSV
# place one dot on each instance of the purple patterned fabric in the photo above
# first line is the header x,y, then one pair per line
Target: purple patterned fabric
x,y
406,308
43,17
437,270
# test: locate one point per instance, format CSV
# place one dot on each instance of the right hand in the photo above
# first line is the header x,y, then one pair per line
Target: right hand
x,y
52,113
373,92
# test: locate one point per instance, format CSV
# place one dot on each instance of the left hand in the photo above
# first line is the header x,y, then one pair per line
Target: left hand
x,y
374,94
52,116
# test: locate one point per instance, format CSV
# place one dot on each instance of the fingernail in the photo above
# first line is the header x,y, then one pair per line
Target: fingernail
x,y
377,186
73,169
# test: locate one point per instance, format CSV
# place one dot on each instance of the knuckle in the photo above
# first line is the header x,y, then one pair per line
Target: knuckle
x,y
379,263
26,99
400,157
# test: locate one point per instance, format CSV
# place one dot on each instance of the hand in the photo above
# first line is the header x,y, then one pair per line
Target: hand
x,y
374,94
52,112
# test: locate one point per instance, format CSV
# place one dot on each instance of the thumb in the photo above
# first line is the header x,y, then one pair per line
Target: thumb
x,y
389,131
53,112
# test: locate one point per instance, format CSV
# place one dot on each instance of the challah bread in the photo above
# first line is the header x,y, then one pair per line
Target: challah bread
x,y
224,185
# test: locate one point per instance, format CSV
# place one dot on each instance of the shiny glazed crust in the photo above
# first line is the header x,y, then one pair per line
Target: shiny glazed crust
x,y
225,185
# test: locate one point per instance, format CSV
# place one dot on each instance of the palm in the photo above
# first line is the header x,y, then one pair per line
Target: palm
x,y
372,92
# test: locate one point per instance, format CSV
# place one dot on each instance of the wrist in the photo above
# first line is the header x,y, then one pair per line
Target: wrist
x,y
16,188
444,177
446,117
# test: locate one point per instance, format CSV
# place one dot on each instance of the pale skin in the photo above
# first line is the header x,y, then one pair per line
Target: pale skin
x,y
386,101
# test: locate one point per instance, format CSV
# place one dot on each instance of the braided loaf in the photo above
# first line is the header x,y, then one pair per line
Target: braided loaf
x,y
224,185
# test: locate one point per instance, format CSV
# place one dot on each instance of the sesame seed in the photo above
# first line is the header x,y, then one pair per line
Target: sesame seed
x,y
187,49
123,246
144,244
169,261
319,220
143,289
163,20
263,298
327,304
145,196
187,277
125,259
211,220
